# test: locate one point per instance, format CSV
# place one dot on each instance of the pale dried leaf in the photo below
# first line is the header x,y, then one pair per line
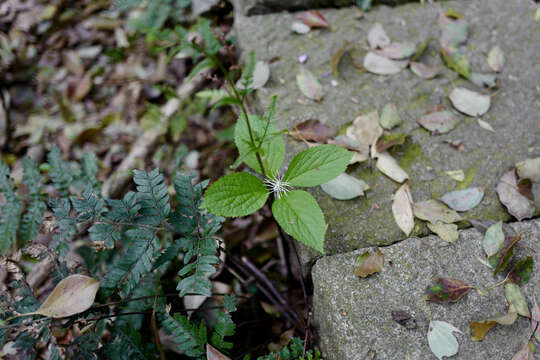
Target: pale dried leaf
x,y
380,65
402,209
517,205
470,102
529,169
447,232
389,167
377,37
434,211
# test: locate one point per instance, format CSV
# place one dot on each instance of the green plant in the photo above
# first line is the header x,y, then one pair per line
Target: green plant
x,y
293,351
262,149
137,237
156,12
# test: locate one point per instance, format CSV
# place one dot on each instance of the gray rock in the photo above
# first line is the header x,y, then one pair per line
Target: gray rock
x,y
257,7
487,156
353,315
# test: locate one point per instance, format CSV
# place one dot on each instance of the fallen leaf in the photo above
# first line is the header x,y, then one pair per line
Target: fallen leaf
x,y
367,264
485,125
387,141
454,32
213,354
439,122
423,71
398,50
517,205
72,62
83,87
522,272
403,318
483,225
421,49
463,200
72,295
493,239
470,102
456,60
361,150
389,167
447,232
345,187
535,320
434,211
261,74
312,130
365,129
527,353
308,84
525,188
452,13
380,65
441,339
515,297
457,175
495,58
501,259
377,37
389,117
486,81
479,329
300,28
336,57
456,144
529,169
312,18
402,209
447,289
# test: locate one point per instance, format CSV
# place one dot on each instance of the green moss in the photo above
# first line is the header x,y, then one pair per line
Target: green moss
x,y
469,177
411,151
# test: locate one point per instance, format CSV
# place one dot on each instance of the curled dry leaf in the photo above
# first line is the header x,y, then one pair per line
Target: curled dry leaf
x,y
470,102
312,18
380,65
447,232
515,297
377,37
367,264
83,87
441,339
447,289
403,318
529,169
389,167
463,200
214,354
309,85
72,295
336,57
300,28
423,71
387,141
439,122
312,130
389,117
434,211
495,58
345,187
402,209
365,129
398,51
527,353
517,205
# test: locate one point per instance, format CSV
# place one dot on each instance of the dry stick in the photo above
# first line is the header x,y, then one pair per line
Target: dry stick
x,y
146,142
284,308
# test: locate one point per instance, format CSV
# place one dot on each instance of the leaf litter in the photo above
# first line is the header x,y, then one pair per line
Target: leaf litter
x,y
402,209
367,264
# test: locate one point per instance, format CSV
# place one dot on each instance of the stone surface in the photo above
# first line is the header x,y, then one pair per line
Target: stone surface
x,y
353,315
513,114
257,7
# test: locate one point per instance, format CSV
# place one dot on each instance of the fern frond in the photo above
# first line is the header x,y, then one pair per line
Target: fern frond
x,y
152,196
125,210
11,211
90,206
131,266
224,325
65,224
189,338
127,345
170,253
89,168
108,233
60,172
31,220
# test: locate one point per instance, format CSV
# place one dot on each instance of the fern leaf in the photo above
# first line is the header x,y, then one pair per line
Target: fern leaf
x,y
127,344
131,266
11,211
168,255
31,220
89,168
90,206
125,210
65,224
60,172
152,196
189,338
109,234
224,325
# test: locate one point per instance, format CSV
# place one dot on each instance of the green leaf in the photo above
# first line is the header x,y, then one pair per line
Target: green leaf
x,y
456,60
522,272
493,239
271,147
201,65
227,100
237,194
515,297
300,216
317,165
